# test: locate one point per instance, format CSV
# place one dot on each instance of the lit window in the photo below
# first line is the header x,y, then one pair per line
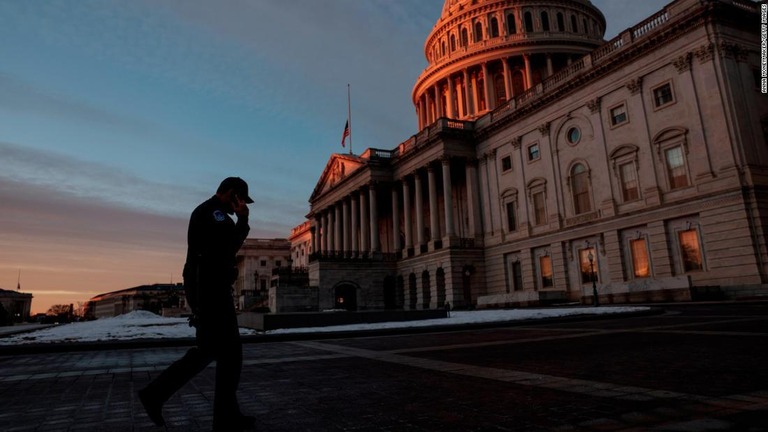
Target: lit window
x,y
663,95
640,265
618,115
676,168
539,209
690,250
588,269
511,217
629,186
506,163
545,267
580,183
533,152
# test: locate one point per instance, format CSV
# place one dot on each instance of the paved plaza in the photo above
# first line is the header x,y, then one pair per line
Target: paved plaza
x,y
691,368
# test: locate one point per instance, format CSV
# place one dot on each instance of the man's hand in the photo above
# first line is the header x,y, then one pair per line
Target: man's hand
x,y
241,208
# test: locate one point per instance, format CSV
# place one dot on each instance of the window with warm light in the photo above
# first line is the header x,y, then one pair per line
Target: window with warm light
x,y
641,267
585,268
545,268
690,250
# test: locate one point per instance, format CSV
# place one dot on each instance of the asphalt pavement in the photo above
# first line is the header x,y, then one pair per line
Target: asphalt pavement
x,y
695,367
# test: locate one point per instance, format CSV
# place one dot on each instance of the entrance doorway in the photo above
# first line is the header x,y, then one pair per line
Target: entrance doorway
x,y
346,297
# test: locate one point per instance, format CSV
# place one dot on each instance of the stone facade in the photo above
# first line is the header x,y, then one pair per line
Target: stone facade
x,y
638,170
257,260
16,306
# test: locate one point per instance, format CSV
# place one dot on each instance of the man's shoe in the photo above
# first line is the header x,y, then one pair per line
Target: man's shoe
x,y
153,408
239,423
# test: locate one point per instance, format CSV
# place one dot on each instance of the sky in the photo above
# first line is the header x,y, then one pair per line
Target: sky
x,y
117,118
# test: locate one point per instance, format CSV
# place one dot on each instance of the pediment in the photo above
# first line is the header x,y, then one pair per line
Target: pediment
x,y
339,167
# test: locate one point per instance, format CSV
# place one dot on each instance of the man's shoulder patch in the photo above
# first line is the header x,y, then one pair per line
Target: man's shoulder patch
x,y
219,216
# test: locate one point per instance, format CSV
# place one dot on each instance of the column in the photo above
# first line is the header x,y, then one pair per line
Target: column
x,y
407,213
331,226
507,78
475,101
438,103
374,218
314,232
473,203
434,217
487,87
354,209
450,104
365,227
528,77
346,242
448,197
324,234
550,69
419,208
424,120
470,101
462,99
396,218
337,228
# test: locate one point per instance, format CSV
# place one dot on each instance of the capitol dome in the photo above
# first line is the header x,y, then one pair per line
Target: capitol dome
x,y
481,53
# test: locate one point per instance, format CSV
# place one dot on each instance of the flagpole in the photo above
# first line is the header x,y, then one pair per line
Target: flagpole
x,y
349,117
18,282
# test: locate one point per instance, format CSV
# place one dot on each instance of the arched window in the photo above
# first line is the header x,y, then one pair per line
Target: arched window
x,y
545,21
511,25
464,37
442,47
585,26
453,42
560,22
494,27
426,290
580,189
574,24
478,31
440,285
412,292
528,18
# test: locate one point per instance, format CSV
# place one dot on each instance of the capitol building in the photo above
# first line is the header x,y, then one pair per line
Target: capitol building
x,y
552,166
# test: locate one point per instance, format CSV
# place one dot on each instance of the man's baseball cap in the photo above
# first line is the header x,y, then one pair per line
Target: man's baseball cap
x,y
238,185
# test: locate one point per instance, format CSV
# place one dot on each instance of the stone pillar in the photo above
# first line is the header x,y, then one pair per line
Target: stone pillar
x,y
475,101
462,99
419,208
528,77
347,241
337,229
355,213
374,218
331,226
467,94
449,104
434,217
314,230
407,213
507,78
448,197
473,202
487,87
396,219
365,226
424,116
438,102
550,69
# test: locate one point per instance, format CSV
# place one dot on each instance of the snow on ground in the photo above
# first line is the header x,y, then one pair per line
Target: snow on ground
x,y
146,325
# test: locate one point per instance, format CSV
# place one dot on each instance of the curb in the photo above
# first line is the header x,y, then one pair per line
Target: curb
x,y
46,348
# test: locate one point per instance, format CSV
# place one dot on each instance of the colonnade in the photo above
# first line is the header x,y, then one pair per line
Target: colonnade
x,y
459,95
350,226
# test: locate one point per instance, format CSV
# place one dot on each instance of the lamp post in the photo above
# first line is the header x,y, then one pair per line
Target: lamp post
x,y
591,258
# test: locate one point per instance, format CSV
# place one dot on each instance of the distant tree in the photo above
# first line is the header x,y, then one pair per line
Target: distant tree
x,y
59,309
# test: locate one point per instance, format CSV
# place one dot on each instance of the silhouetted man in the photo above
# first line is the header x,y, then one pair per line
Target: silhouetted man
x,y
213,241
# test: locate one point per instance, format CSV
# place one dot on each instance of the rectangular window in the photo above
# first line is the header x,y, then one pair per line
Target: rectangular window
x,y
629,187
690,250
517,276
663,95
641,267
581,201
533,152
587,267
511,217
618,115
506,163
676,168
539,209
545,267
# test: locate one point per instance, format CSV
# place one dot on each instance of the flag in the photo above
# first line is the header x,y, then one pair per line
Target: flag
x,y
345,134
